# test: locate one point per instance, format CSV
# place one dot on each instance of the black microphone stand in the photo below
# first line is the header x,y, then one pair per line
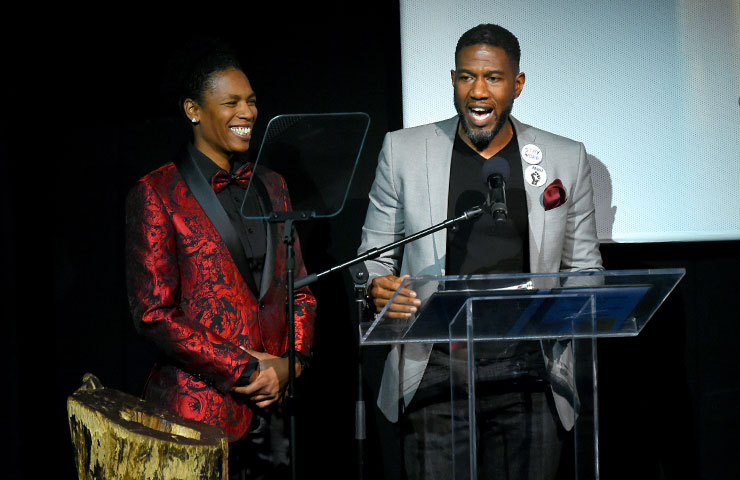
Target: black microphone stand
x,y
289,147
287,218
376,252
359,277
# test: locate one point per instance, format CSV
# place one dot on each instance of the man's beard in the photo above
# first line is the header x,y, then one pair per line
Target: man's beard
x,y
482,138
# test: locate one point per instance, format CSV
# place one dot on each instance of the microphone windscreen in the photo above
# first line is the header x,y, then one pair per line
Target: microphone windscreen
x,y
495,165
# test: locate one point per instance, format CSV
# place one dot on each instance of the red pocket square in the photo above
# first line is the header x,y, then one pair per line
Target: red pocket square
x,y
554,195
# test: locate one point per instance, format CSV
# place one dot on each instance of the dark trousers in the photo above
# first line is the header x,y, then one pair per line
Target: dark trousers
x,y
518,431
263,453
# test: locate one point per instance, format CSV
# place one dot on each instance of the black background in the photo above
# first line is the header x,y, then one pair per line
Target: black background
x,y
669,399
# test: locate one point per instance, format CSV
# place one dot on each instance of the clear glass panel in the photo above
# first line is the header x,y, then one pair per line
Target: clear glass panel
x,y
522,361
316,154
503,420
529,306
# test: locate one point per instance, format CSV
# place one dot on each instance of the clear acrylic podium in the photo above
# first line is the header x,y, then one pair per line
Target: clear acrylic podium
x,y
563,313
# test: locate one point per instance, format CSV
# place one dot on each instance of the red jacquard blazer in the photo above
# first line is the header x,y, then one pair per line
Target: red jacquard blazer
x,y
188,297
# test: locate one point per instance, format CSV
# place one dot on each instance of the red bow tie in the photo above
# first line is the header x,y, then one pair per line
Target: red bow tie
x,y
222,179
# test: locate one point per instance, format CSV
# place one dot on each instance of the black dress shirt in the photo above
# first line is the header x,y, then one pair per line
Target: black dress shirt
x,y
252,233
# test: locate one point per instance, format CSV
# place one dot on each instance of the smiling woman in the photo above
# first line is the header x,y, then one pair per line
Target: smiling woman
x,y
206,285
223,117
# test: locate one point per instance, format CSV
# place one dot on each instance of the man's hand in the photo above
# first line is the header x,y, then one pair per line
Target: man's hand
x,y
270,381
403,305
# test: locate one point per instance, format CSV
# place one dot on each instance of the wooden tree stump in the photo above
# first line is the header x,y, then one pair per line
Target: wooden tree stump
x,y
119,436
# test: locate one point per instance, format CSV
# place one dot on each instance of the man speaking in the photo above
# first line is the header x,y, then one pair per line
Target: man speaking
x,y
429,173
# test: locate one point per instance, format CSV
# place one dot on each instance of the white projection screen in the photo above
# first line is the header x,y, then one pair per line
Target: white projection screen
x,y
652,88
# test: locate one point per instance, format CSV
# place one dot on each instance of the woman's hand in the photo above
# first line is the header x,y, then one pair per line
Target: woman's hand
x,y
271,379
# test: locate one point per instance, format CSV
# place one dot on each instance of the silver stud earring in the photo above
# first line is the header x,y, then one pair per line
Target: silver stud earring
x,y
194,120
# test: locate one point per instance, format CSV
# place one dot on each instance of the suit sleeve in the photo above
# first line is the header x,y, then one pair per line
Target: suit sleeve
x,y
384,221
153,281
581,244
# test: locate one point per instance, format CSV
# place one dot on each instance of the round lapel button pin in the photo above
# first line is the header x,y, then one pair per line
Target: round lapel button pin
x,y
535,176
531,154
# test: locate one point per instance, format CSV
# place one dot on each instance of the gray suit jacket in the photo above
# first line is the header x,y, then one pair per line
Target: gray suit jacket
x,y
410,193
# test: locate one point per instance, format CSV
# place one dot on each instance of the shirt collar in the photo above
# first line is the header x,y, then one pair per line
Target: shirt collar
x,y
208,167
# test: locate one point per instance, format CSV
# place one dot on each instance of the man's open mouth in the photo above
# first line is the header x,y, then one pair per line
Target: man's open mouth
x,y
480,115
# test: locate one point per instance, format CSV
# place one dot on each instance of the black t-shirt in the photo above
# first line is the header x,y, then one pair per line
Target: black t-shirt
x,y
483,246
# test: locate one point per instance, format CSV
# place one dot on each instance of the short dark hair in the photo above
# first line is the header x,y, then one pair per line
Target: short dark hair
x,y
494,36
191,69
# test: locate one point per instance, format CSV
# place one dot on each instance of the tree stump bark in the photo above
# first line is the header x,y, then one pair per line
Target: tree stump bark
x,y
118,436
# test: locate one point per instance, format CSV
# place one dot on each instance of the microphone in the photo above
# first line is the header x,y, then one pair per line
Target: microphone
x,y
496,173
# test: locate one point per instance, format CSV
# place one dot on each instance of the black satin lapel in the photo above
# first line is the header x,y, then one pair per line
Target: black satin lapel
x,y
272,236
206,197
